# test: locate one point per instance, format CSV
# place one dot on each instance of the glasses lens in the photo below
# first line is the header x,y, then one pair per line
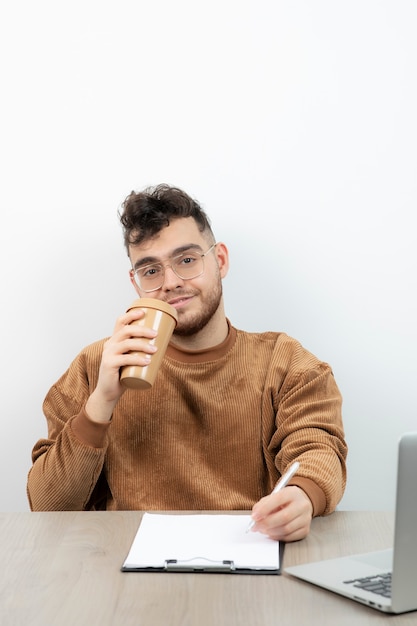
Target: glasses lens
x,y
150,277
189,265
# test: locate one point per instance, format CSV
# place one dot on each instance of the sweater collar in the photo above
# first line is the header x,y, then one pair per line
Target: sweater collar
x,y
208,354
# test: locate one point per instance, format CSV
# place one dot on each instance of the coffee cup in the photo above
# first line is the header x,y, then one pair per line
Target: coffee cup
x,y
159,316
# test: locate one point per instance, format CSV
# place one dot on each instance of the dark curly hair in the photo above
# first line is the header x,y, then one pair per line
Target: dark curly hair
x,y
144,214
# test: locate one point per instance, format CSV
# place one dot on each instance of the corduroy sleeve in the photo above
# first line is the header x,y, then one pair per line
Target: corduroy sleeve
x,y
309,429
67,464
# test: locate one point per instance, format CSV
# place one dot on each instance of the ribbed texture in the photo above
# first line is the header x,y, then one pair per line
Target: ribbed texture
x,y
209,435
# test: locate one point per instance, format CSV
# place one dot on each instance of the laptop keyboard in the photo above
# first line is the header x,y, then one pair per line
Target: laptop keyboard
x,y
380,584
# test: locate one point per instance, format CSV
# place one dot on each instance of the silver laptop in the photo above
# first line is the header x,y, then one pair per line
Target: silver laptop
x,y
385,580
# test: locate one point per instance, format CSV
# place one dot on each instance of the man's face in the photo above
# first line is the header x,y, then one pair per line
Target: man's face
x,y
197,299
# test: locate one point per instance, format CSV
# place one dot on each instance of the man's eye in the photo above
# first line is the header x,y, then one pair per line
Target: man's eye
x,y
149,272
187,260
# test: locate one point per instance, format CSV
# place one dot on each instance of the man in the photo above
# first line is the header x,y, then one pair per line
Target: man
x,y
229,412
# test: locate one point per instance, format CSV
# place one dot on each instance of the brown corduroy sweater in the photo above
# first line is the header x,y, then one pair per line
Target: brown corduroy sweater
x,y
215,432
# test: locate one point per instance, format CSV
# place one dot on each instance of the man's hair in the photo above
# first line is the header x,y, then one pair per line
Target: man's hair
x,y
144,214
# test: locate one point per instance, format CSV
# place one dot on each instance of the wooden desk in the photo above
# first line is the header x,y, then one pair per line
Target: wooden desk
x,y
60,569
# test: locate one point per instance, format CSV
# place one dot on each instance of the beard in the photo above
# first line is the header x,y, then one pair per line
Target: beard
x,y
194,323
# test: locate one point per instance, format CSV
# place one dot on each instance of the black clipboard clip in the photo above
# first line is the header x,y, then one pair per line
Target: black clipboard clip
x,y
199,564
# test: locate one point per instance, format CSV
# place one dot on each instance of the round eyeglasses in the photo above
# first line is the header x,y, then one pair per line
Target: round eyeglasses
x,y
188,265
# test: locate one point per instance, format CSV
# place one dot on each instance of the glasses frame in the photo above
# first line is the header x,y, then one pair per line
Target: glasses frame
x,y
135,277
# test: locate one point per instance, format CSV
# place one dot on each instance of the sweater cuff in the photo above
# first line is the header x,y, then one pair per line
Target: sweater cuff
x,y
89,432
313,491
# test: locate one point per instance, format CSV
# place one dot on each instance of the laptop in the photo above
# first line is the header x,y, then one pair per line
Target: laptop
x,y
385,580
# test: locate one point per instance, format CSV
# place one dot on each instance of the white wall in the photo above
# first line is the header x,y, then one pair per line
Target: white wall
x,y
293,122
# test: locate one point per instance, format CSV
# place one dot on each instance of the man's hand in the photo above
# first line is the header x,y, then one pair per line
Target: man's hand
x,y
129,345
284,516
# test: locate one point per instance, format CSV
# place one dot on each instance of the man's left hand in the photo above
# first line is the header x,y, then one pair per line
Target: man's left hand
x,y
285,515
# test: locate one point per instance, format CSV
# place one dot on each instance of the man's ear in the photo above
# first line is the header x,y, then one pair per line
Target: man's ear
x,y
222,256
132,280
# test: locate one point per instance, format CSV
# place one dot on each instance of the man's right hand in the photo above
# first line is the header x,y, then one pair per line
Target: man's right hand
x,y
129,345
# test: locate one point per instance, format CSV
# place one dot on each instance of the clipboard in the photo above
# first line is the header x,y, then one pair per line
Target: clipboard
x,y
200,543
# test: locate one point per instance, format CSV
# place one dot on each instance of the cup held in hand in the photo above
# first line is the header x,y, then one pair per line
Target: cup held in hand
x,y
163,318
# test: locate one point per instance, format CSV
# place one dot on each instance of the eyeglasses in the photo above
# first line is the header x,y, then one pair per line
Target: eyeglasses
x,y
188,265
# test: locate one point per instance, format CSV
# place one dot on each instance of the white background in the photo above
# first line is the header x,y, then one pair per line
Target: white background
x,y
293,123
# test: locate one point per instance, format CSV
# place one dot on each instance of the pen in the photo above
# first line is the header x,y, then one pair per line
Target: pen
x,y
280,485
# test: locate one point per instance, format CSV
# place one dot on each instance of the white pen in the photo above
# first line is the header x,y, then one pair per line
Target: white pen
x,y
283,481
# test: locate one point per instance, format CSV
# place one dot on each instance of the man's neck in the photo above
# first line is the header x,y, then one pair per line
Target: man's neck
x,y
213,334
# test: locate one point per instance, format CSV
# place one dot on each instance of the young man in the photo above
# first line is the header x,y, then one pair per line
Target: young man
x,y
227,415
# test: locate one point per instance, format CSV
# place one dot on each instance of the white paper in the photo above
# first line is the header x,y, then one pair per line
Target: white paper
x,y
201,539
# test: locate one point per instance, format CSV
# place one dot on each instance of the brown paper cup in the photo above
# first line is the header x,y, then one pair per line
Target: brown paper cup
x,y
163,318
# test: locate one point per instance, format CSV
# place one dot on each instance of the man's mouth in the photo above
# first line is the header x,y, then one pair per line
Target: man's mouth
x,y
179,301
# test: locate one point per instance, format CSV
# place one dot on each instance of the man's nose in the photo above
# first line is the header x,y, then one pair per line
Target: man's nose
x,y
171,280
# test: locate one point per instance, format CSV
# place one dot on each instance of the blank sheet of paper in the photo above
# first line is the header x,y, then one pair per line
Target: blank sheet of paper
x,y
200,539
